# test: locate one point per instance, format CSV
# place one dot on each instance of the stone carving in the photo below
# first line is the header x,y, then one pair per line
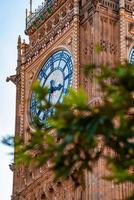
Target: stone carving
x,y
12,79
49,31
131,28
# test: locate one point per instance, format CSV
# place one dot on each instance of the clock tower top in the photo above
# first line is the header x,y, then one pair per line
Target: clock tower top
x,y
35,18
39,16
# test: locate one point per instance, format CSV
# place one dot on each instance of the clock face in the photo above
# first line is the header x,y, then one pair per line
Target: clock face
x,y
56,75
131,56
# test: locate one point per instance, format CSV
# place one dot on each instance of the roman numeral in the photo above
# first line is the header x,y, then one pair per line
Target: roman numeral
x,y
67,76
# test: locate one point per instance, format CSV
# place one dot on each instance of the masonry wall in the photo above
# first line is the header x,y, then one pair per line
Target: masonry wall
x,y
79,27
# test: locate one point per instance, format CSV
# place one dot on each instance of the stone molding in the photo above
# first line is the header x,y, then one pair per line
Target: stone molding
x,y
52,29
40,15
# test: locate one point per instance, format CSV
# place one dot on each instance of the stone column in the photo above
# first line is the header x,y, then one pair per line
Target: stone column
x,y
76,45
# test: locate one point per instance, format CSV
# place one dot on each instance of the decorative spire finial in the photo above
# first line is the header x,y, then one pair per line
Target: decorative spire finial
x,y
19,39
19,51
31,4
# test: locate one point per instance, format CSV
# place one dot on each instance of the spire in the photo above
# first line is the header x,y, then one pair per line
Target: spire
x,y
31,5
19,39
19,51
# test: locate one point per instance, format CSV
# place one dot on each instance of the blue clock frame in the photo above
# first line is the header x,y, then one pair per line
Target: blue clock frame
x,y
131,56
56,73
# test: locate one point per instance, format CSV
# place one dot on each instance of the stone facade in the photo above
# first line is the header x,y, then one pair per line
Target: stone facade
x,y
78,26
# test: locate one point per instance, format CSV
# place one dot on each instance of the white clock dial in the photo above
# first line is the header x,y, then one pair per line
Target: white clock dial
x,y
56,74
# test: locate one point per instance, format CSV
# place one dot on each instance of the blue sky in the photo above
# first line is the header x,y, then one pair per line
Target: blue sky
x,y
12,23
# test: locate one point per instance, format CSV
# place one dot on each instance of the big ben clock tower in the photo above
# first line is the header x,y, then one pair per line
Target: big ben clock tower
x,y
62,37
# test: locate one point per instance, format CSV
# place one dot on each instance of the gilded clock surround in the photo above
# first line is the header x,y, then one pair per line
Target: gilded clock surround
x,y
75,25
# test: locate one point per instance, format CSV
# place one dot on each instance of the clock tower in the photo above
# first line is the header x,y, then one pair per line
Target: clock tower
x,y
62,36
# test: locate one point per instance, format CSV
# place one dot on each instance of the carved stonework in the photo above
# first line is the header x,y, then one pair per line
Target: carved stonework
x,y
78,27
31,76
131,28
12,79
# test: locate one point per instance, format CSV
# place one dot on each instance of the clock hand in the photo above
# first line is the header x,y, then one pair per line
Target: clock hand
x,y
57,87
53,88
49,98
50,91
52,82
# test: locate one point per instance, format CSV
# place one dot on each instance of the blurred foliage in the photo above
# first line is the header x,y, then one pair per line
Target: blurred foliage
x,y
79,134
